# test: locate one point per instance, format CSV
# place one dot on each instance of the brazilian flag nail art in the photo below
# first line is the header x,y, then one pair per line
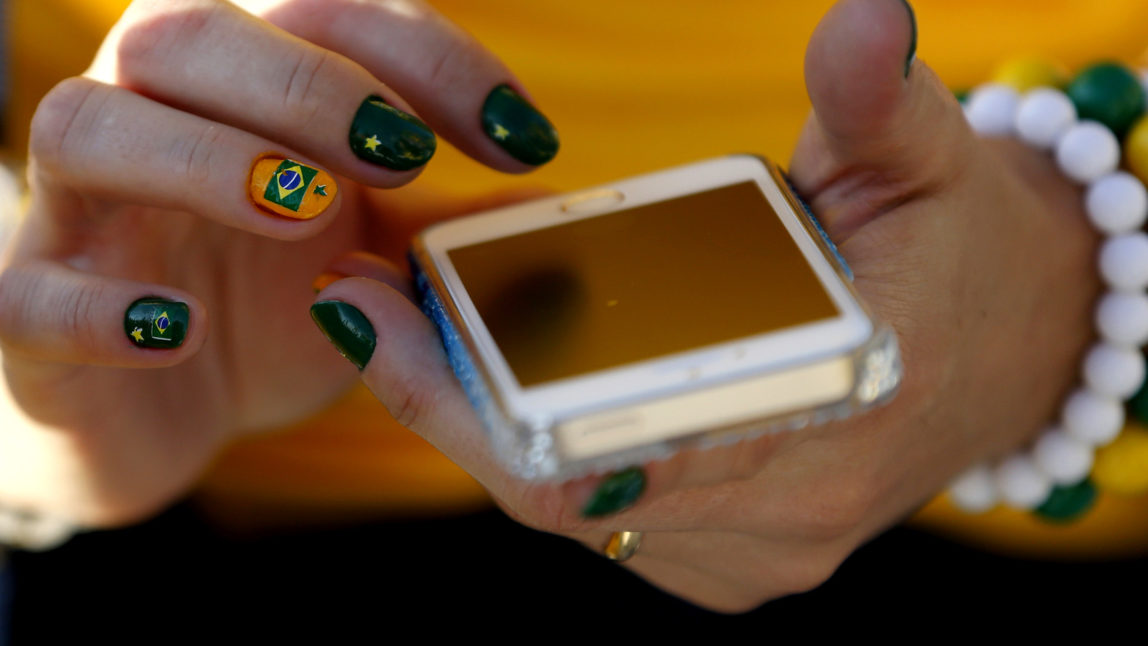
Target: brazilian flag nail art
x,y
156,323
290,188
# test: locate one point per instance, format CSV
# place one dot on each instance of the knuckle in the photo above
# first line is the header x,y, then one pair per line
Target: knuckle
x,y
408,404
300,104
545,508
762,577
195,155
449,63
837,510
157,30
61,118
78,308
14,298
747,458
809,574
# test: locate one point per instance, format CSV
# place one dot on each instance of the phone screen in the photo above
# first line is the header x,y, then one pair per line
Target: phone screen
x,y
640,283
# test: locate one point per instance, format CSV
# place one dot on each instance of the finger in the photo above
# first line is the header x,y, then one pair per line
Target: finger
x,y
402,362
728,571
417,206
362,264
629,490
49,312
401,359
880,116
210,58
109,143
462,90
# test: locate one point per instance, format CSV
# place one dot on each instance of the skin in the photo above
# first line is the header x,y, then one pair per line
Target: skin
x,y
976,252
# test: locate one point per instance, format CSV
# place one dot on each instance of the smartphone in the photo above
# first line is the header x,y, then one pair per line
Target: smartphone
x,y
696,305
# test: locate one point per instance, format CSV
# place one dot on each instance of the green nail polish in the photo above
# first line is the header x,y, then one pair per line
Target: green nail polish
x,y
156,323
616,493
912,38
385,136
347,328
515,125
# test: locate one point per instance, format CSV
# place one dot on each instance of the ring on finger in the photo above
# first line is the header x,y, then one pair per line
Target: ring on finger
x,y
622,545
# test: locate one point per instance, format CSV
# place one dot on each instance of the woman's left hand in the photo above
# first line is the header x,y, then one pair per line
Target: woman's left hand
x,y
975,251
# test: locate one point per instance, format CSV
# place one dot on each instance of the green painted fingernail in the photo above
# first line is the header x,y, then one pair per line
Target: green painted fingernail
x,y
912,38
616,493
386,136
156,323
347,328
515,125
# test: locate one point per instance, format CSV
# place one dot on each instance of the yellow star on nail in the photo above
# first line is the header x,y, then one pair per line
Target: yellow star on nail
x,y
372,143
137,334
500,133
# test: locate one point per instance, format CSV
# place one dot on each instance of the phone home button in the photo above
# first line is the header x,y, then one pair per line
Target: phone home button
x,y
592,201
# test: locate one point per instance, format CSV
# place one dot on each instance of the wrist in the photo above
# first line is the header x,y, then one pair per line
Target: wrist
x,y
1051,476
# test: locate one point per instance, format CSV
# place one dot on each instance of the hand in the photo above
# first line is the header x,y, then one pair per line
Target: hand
x,y
139,173
975,251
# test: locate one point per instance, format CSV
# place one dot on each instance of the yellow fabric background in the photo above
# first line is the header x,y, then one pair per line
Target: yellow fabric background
x,y
632,86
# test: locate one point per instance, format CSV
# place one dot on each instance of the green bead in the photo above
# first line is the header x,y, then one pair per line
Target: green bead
x,y
1067,502
962,95
1108,93
1138,405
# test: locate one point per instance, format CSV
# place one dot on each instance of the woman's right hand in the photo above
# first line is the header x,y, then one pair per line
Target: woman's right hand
x,y
139,174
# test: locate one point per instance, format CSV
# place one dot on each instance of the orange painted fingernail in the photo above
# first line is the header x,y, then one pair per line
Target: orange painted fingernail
x,y
290,188
326,278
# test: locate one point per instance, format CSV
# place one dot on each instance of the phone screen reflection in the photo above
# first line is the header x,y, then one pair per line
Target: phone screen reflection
x,y
640,283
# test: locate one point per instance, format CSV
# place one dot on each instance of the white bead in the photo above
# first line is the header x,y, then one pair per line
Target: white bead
x,y
1091,418
1116,203
1086,151
1021,484
1063,458
1124,261
1122,318
1114,371
974,490
1043,116
991,109
33,532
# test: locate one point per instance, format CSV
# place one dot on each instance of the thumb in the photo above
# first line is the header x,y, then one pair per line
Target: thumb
x,y
883,126
400,357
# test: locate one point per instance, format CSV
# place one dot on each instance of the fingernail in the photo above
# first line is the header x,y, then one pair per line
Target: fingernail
x,y
387,136
326,278
616,493
290,188
347,328
156,323
515,125
912,38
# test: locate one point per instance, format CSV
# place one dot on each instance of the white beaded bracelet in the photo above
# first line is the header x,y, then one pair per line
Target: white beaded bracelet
x,y
33,531
1114,368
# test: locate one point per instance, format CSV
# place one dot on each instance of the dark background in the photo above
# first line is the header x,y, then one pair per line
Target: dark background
x,y
484,574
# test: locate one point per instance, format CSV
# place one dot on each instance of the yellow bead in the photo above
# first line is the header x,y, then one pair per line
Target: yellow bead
x,y
1023,74
1122,467
1136,149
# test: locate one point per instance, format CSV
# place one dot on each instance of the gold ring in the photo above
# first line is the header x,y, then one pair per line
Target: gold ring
x,y
622,545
